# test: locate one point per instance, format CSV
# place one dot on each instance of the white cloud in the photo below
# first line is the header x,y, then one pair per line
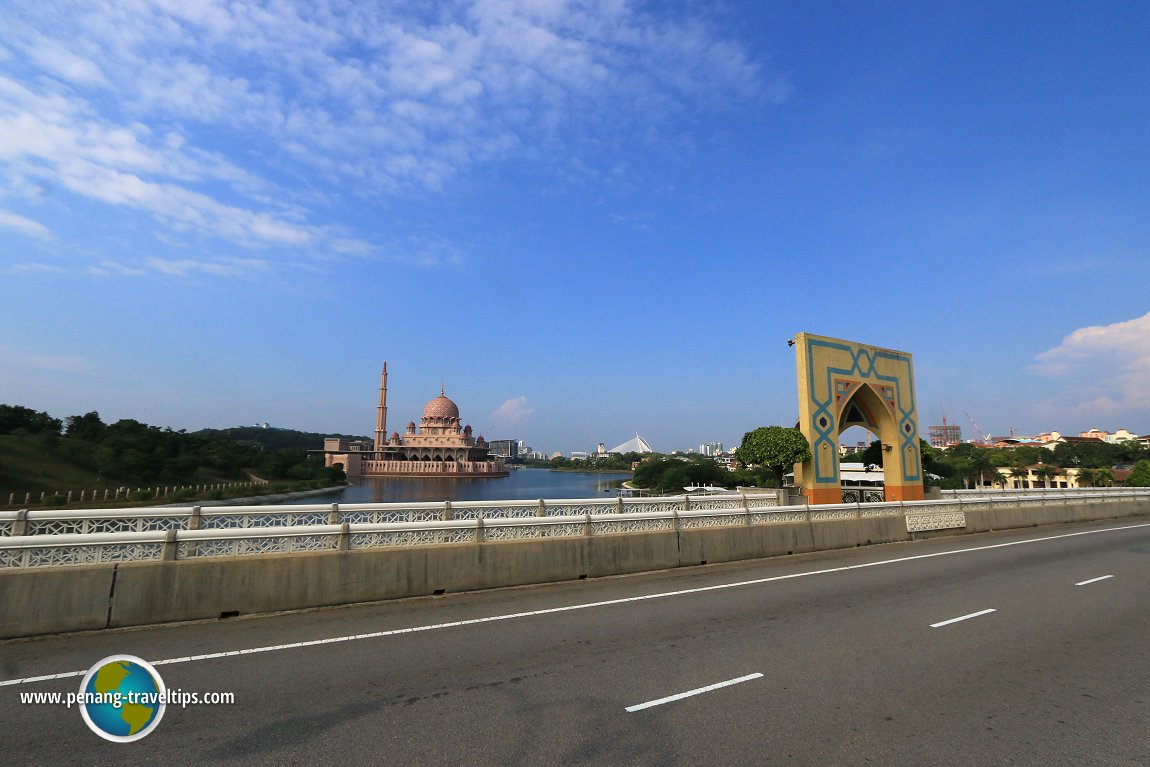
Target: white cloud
x,y
230,120
110,268
1104,369
53,139
37,268
225,268
24,225
65,63
376,83
513,412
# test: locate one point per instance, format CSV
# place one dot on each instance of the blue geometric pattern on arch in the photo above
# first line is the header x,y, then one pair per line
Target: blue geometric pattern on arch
x,y
823,418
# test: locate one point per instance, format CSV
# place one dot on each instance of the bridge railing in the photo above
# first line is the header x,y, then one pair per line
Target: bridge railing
x,y
93,521
179,534
966,493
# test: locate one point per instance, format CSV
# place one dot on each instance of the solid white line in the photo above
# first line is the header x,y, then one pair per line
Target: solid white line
x,y
962,618
689,693
1094,580
585,605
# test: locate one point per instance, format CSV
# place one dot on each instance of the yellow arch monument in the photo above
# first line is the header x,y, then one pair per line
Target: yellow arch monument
x,y
844,384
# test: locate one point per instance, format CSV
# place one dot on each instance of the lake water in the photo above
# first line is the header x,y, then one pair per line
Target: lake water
x,y
521,485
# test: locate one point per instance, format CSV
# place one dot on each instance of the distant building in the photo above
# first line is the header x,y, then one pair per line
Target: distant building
x,y
636,445
505,448
1122,435
946,435
438,447
727,460
1061,440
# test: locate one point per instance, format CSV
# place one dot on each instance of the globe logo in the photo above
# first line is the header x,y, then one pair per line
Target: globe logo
x,y
122,698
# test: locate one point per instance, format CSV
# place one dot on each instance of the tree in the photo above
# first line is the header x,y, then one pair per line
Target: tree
x,y
1140,476
872,456
672,475
774,447
14,417
979,465
1017,475
1088,476
1019,468
934,464
87,427
1046,473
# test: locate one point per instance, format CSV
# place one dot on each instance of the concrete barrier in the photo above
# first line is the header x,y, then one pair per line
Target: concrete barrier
x,y
158,592
729,544
51,600
981,521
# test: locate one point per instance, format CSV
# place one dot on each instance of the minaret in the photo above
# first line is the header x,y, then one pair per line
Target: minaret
x,y
381,412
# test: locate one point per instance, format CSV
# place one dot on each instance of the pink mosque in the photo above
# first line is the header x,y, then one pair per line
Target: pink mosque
x,y
439,447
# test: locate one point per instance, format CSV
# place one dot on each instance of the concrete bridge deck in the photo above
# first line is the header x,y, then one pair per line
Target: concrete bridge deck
x,y
852,671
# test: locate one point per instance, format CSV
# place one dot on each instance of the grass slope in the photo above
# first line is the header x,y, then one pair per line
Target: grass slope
x,y
26,467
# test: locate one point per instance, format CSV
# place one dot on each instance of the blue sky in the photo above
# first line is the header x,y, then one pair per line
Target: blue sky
x,y
585,219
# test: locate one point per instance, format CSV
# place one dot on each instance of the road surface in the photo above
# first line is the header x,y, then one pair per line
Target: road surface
x,y
1018,648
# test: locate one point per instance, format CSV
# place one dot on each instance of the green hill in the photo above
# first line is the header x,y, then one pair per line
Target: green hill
x,y
271,438
40,454
27,466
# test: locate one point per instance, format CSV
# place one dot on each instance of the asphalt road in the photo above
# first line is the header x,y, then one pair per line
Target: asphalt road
x,y
851,658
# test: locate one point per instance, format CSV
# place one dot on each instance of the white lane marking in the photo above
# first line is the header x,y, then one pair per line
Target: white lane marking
x,y
962,618
689,693
1094,580
585,605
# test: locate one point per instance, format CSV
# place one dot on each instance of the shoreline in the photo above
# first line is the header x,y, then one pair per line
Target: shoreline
x,y
259,500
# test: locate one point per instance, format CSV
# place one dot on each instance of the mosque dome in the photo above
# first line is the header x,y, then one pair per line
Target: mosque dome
x,y
441,407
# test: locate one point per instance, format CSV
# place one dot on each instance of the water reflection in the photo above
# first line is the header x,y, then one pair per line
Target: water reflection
x,y
521,485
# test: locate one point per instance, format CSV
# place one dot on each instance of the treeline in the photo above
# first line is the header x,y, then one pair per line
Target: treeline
x,y
967,465
671,474
271,439
961,466
131,452
609,462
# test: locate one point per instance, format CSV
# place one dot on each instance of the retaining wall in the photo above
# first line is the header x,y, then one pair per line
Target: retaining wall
x,y
50,600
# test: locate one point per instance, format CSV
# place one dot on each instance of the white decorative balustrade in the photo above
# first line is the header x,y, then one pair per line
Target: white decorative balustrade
x,y
695,518
391,534
104,521
58,538
492,509
235,542
81,549
636,522
512,529
7,522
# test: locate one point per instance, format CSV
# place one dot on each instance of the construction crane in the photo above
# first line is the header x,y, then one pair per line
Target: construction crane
x,y
978,429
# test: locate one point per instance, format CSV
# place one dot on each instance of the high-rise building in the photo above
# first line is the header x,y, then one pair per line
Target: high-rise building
x,y
945,435
505,448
